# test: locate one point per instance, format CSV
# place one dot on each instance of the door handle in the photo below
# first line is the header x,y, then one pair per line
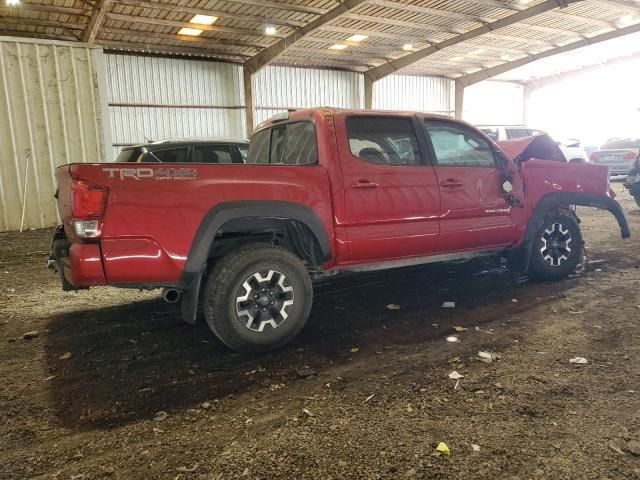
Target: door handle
x,y
451,183
364,184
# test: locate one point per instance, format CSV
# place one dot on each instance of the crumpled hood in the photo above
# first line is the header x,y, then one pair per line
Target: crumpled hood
x,y
539,146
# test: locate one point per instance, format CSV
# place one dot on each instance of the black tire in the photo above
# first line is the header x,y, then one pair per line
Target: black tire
x,y
557,246
637,199
246,272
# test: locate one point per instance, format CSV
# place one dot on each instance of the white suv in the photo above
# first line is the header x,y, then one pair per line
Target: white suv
x,y
570,148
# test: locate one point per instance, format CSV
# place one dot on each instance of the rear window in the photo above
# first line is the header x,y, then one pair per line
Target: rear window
x,y
287,144
618,144
212,154
520,132
170,155
492,133
259,148
129,155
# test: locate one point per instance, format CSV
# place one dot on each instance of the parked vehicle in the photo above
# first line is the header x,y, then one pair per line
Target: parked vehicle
x,y
618,155
322,190
186,151
571,150
632,182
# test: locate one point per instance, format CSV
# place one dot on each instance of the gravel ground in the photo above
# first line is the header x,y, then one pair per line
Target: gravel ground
x,y
113,385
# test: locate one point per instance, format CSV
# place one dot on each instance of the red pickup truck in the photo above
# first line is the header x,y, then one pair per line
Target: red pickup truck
x,y
322,189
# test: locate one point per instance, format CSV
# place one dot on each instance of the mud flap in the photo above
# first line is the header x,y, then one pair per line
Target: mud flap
x,y
189,300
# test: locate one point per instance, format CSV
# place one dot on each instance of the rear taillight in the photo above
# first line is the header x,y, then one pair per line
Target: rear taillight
x,y
629,155
88,202
594,157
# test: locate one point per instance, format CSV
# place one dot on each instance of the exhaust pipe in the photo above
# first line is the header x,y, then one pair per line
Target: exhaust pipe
x,y
170,295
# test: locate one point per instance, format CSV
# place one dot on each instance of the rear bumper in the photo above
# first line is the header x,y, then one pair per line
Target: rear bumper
x,y
79,264
84,266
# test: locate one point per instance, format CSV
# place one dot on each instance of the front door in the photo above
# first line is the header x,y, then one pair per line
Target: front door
x,y
474,212
392,198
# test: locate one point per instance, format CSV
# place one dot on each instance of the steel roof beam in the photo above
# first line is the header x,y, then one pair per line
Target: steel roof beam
x,y
159,49
562,76
487,73
269,54
208,11
213,41
95,21
33,7
621,5
403,62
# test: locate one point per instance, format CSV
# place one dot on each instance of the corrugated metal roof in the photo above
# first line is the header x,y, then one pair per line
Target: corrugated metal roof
x,y
239,31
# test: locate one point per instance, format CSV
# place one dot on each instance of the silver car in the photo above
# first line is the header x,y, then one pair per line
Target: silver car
x,y
618,155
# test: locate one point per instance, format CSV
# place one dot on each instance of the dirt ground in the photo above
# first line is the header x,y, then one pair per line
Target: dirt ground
x,y
115,386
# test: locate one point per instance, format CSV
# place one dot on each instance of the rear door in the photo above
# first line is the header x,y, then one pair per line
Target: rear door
x,y
474,213
391,191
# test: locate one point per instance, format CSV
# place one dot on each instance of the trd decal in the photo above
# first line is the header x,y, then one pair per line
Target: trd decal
x,y
164,173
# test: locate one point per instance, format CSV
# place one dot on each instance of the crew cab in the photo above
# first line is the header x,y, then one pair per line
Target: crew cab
x,y
322,190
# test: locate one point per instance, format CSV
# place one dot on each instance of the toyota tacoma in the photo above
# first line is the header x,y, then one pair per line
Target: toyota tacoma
x,y
322,190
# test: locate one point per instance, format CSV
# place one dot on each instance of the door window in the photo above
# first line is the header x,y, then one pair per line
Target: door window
x,y
456,146
212,154
383,140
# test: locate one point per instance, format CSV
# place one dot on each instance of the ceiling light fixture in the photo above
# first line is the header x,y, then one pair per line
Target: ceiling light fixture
x,y
13,3
457,59
203,19
337,46
407,47
270,30
505,56
357,38
478,51
626,19
190,32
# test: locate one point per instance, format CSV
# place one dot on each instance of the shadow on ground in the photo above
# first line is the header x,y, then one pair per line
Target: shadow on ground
x,y
129,362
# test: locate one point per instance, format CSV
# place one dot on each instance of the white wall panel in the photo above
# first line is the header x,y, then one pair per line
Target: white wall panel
x,y
53,107
159,98
414,93
494,103
279,88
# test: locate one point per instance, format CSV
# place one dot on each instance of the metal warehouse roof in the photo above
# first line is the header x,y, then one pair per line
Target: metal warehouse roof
x,y
451,38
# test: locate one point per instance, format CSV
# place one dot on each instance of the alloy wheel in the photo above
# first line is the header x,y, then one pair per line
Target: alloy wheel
x,y
264,299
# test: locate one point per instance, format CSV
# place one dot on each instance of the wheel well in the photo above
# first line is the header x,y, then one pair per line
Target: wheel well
x,y
293,235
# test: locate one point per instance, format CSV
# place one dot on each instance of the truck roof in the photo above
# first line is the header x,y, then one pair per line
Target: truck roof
x,y
185,141
307,113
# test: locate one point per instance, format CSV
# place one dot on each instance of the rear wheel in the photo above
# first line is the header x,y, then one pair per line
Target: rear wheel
x,y
257,298
557,246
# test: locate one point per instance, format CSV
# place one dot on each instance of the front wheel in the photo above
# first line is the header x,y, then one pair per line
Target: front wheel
x,y
557,246
257,298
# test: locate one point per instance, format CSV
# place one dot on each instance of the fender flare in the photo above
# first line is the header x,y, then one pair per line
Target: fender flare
x,y
554,200
223,213
214,220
